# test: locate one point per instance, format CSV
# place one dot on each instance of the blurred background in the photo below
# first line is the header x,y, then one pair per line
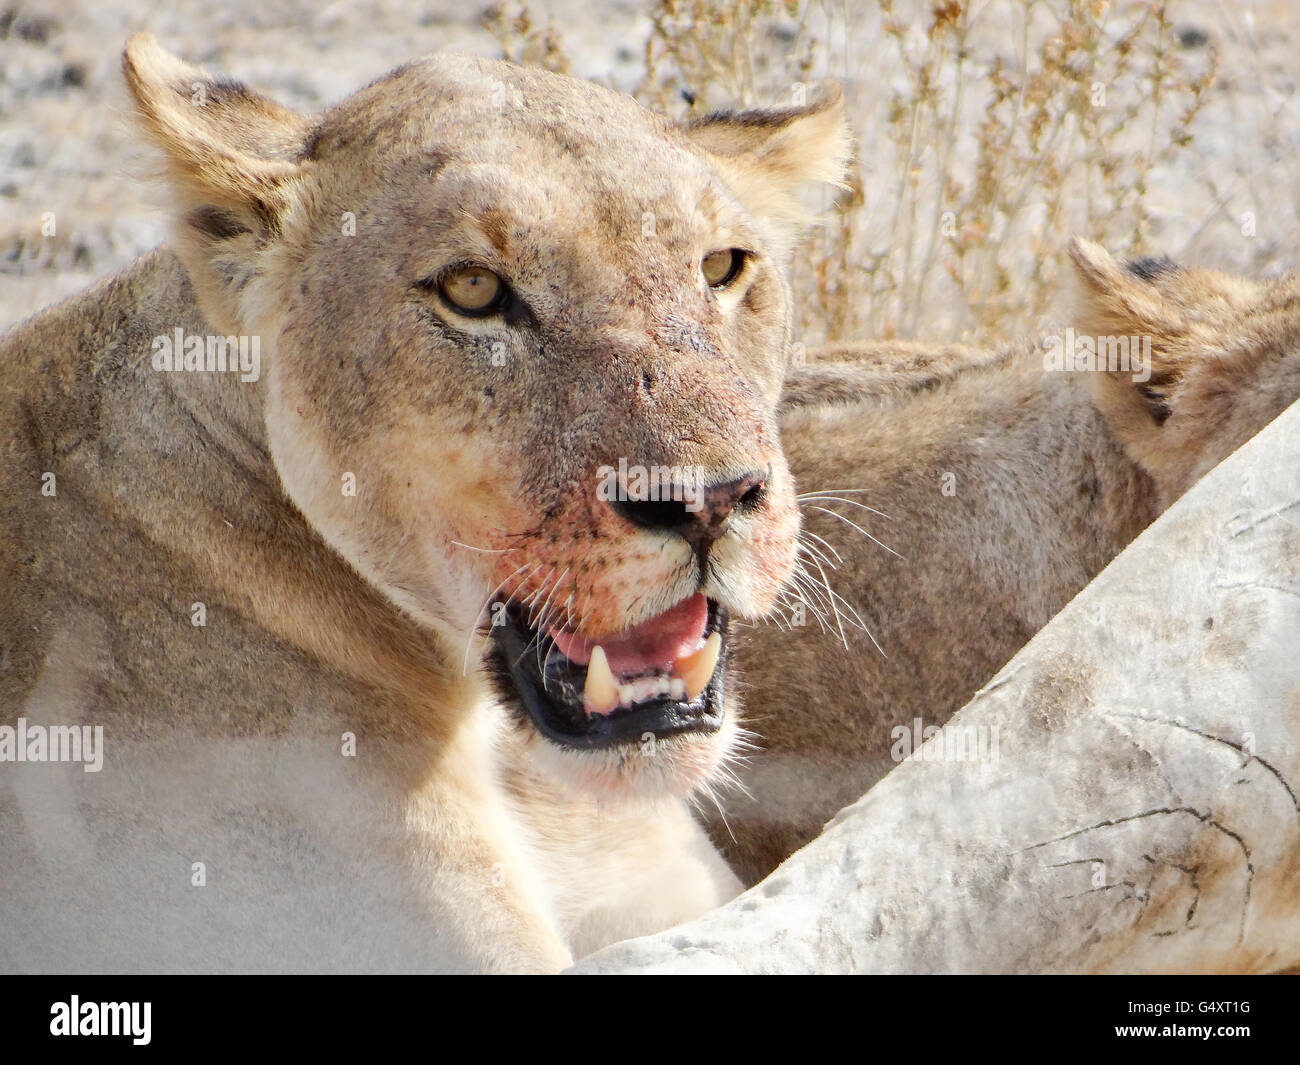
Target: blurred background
x,y
987,131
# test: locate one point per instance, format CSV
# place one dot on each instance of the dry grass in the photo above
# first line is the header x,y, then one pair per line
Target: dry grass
x,y
987,133
983,109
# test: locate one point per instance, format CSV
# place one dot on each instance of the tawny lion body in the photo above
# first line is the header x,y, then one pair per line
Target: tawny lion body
x,y
1007,488
275,587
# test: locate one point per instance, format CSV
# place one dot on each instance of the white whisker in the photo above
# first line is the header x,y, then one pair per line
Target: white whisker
x,y
829,547
838,621
542,624
820,498
815,600
861,530
836,493
485,550
815,551
473,628
808,584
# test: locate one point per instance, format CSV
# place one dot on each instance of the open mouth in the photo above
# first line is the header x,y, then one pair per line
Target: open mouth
x,y
663,677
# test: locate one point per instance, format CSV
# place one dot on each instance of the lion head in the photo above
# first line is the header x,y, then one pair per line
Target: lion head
x,y
526,341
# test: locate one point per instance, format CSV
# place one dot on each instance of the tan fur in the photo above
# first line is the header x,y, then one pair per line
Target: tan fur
x,y
1042,498
1225,352
456,838
1054,474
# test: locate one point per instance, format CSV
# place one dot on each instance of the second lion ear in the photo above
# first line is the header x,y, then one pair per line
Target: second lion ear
x,y
769,157
231,162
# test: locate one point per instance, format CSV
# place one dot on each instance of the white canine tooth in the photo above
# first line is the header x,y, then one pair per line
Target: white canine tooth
x,y
696,669
600,691
676,689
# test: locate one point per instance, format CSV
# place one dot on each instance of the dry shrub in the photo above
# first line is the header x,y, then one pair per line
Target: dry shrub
x,y
987,134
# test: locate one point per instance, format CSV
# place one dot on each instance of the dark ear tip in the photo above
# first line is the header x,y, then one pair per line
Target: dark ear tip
x,y
824,95
215,223
1149,267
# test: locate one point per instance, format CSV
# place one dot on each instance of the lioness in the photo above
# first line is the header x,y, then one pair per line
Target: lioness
x,y
328,515
1007,487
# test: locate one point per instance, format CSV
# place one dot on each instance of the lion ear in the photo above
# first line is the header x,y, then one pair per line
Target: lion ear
x,y
231,162
1118,300
1113,299
769,157
226,147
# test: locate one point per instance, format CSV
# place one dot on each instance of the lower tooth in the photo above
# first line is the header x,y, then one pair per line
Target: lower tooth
x,y
625,694
697,668
677,689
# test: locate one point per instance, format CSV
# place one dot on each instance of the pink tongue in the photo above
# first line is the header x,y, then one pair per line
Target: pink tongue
x,y
650,645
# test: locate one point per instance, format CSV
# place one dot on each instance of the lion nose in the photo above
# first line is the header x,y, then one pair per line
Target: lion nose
x,y
700,517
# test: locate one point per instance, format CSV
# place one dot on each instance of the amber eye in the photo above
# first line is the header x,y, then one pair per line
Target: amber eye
x,y
721,268
472,291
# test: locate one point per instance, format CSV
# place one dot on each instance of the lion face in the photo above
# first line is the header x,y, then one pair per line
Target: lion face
x,y
527,346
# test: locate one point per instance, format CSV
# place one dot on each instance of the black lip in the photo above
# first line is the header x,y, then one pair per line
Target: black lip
x,y
554,705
